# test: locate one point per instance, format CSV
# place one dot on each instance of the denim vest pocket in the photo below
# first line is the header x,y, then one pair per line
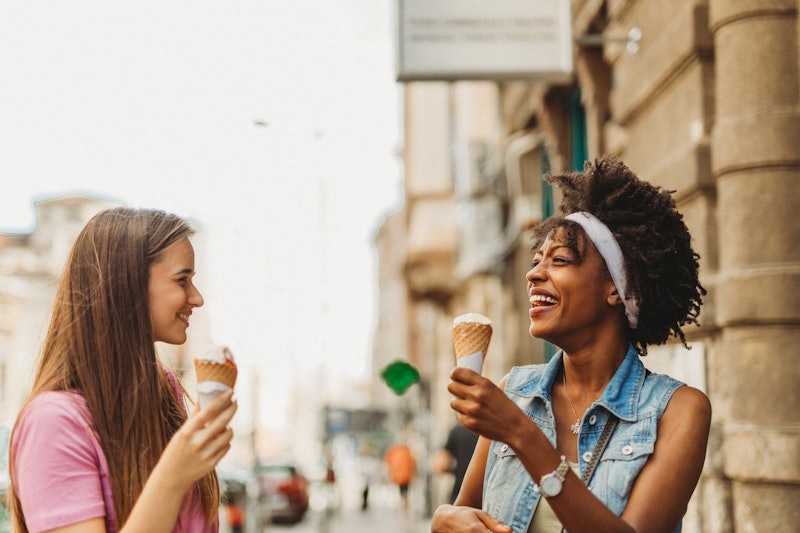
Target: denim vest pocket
x,y
623,463
508,487
504,467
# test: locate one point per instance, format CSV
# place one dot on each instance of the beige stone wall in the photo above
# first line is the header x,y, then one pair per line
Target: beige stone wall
x,y
708,106
756,164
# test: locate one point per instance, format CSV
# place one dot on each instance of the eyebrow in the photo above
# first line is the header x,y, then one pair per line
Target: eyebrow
x,y
554,246
184,271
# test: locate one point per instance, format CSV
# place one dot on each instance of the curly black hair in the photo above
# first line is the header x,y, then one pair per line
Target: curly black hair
x,y
662,268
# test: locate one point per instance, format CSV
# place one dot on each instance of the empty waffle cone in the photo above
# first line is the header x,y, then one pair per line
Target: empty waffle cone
x,y
219,372
471,335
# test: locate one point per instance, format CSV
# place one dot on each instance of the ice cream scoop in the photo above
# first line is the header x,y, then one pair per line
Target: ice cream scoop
x,y
471,335
216,373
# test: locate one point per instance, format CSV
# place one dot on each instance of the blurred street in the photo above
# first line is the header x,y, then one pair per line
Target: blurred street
x,y
338,509
348,520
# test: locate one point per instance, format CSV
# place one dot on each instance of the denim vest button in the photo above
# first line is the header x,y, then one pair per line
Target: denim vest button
x,y
504,448
587,456
627,450
592,420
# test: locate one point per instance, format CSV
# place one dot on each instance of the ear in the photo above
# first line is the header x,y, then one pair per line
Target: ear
x,y
613,297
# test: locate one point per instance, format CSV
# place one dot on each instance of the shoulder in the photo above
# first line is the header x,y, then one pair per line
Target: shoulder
x,y
54,417
55,433
50,406
686,421
688,401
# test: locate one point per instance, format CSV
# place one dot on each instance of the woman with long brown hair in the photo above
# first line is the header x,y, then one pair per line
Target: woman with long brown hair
x,y
104,442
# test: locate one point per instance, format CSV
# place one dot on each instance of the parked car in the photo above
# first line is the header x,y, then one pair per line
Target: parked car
x,y
233,504
283,492
239,506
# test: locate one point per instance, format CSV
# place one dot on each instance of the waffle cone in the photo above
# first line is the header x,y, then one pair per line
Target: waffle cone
x,y
211,371
470,338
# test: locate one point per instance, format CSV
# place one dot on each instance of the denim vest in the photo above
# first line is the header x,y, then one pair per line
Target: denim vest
x,y
636,396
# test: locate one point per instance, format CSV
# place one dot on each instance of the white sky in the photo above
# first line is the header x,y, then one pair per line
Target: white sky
x,y
153,104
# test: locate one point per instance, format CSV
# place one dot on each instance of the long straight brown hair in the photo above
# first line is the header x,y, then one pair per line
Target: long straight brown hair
x,y
100,343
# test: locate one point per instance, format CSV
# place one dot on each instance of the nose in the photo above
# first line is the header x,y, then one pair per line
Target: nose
x,y
536,273
195,298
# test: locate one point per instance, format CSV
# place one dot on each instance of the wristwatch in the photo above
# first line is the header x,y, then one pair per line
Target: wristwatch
x,y
552,483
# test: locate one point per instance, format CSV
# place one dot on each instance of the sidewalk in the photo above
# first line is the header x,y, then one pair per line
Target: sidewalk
x,y
383,520
384,515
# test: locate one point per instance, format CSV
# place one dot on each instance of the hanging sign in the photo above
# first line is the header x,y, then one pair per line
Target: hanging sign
x,y
484,39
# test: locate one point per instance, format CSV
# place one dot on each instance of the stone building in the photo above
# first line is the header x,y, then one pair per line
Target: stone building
x,y
709,106
30,264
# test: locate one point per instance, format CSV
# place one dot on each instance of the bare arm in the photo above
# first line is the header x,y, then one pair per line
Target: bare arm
x,y
471,493
663,489
466,514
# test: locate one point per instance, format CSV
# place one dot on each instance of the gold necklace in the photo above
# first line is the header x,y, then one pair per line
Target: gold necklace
x,y
577,425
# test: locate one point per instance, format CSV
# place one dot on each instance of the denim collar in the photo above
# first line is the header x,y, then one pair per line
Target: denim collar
x,y
621,395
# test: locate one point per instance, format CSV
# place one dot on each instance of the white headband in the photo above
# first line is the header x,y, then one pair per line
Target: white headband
x,y
609,248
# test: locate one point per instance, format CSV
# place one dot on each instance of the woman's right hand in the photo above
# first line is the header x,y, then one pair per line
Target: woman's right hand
x,y
458,519
192,452
483,407
200,442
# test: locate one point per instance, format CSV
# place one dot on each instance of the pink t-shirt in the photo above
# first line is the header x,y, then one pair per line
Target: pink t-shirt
x,y
61,473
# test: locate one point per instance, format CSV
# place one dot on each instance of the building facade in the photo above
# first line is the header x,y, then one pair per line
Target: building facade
x,y
707,104
30,264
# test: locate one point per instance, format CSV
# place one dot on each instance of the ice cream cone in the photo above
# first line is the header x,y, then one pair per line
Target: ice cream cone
x,y
471,335
216,373
219,372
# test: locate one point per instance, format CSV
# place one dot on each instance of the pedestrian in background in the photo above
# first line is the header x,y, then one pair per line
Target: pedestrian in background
x,y
455,455
370,468
104,443
613,274
402,467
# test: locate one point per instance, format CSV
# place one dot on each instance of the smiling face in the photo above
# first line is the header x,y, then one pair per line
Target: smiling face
x,y
171,294
570,291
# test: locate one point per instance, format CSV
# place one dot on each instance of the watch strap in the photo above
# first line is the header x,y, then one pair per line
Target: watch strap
x,y
563,468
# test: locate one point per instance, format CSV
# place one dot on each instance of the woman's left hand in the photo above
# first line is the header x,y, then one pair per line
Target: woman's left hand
x,y
482,406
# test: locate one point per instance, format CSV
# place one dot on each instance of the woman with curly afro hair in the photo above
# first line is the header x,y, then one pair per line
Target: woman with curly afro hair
x,y
591,441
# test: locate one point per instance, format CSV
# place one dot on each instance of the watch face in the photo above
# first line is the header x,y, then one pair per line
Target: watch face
x,y
551,485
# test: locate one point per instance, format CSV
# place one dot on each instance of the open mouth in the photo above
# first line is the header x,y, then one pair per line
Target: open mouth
x,y
540,300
